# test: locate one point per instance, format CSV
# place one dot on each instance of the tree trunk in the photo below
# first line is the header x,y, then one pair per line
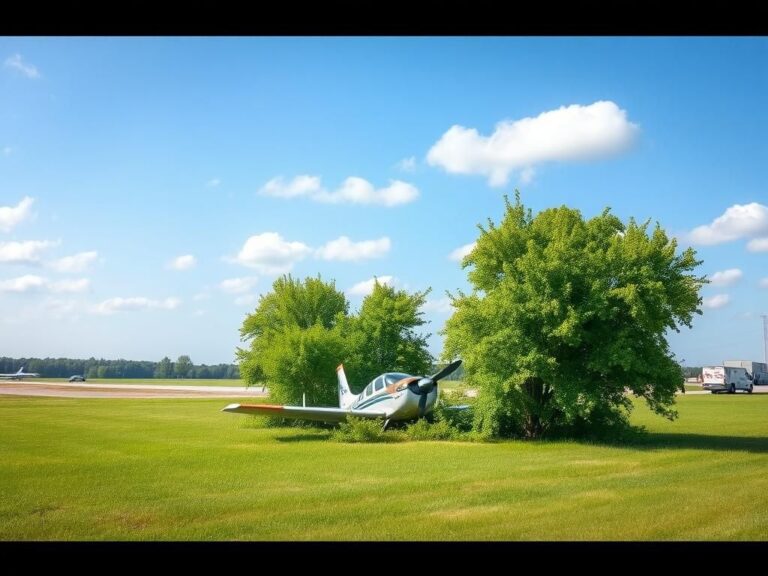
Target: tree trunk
x,y
537,414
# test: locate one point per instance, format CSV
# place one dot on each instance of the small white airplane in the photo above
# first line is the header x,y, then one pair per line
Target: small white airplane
x,y
390,396
19,375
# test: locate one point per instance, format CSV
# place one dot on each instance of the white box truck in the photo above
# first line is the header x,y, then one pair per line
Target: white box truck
x,y
726,379
758,370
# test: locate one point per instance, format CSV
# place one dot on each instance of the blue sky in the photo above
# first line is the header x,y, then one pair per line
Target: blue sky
x,y
152,188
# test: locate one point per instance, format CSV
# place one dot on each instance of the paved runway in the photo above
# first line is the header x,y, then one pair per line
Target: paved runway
x,y
77,390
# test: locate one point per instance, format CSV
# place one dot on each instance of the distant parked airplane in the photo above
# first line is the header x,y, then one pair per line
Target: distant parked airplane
x,y
19,375
391,396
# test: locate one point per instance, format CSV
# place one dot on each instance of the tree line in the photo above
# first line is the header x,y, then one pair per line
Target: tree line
x,y
101,368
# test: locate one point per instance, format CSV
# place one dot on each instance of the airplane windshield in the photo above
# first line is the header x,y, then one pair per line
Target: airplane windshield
x,y
393,377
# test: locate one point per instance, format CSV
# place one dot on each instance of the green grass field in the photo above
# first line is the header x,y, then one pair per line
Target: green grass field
x,y
150,381
76,469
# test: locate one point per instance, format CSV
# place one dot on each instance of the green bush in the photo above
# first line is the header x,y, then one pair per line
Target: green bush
x,y
439,430
364,430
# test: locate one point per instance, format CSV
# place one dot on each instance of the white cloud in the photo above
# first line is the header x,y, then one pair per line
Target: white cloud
x,y
366,286
27,252
569,133
344,249
25,283
112,305
79,285
738,221
268,253
10,216
7,150
353,190
213,183
407,164
440,306
246,299
716,301
302,185
461,251
76,263
726,277
758,245
238,285
16,62
764,282
31,282
184,262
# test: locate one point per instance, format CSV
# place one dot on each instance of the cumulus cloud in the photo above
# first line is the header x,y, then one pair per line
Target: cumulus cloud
x,y
238,285
33,283
716,301
27,283
16,62
302,185
726,277
366,286
758,245
569,133
345,249
213,183
184,262
461,251
11,216
27,252
76,263
269,253
738,221
118,304
764,282
354,190
407,164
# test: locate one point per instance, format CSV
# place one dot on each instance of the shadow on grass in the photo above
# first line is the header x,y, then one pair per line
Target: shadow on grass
x,y
317,437
657,440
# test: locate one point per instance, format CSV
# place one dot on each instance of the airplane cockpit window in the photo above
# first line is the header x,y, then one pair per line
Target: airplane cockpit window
x,y
369,389
378,384
393,377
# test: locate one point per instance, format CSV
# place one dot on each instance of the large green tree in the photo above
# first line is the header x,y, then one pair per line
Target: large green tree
x,y
567,315
382,336
302,330
295,341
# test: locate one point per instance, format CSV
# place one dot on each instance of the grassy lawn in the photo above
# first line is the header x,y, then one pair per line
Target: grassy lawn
x,y
74,469
150,381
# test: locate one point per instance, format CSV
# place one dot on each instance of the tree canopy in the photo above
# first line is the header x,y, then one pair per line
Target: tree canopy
x,y
383,337
302,330
567,314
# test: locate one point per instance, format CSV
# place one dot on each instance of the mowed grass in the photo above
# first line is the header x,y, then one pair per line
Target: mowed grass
x,y
93,469
150,381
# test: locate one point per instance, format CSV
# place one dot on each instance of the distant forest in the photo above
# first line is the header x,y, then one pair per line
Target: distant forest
x,y
93,368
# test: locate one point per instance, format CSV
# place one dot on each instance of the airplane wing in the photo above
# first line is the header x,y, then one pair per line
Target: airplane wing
x,y
301,412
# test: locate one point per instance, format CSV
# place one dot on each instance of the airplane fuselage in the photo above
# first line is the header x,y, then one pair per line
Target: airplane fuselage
x,y
396,400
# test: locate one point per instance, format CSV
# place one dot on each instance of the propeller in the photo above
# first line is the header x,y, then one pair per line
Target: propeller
x,y
425,385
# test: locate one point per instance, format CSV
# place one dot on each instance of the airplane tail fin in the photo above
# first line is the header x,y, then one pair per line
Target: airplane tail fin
x,y
345,395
